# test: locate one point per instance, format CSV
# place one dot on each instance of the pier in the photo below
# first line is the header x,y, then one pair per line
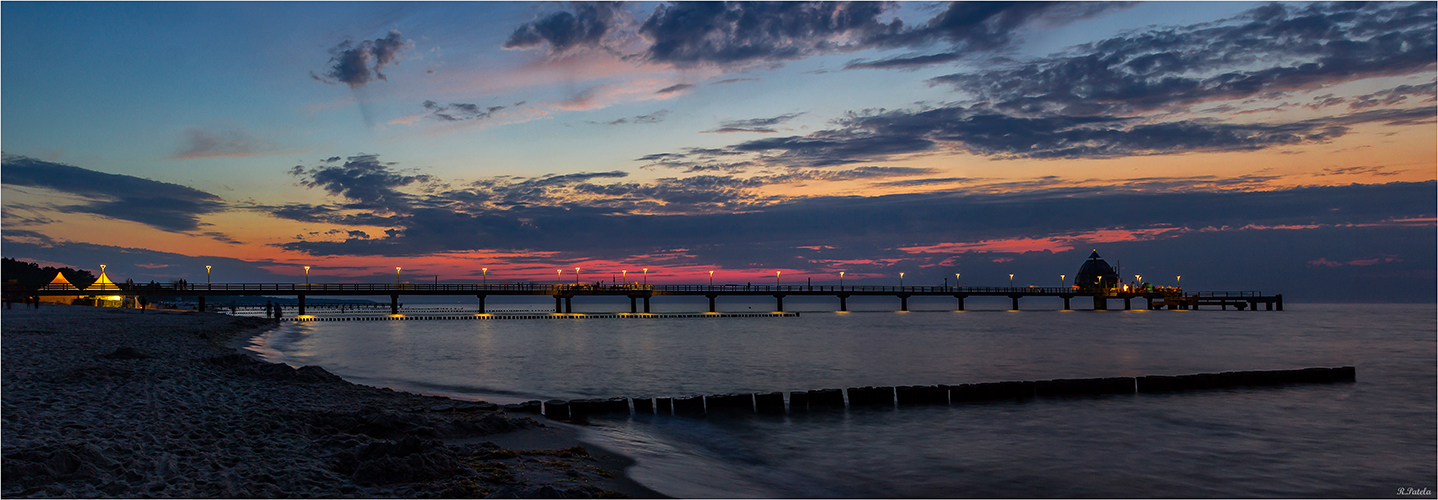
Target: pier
x,y
640,295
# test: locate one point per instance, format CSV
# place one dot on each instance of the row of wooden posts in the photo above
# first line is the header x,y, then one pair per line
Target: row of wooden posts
x,y
889,397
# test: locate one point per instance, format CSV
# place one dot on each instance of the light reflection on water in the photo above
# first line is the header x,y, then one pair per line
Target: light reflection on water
x,y
1362,439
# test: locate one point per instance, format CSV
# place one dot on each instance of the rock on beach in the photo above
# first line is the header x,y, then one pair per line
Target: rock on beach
x,y
102,402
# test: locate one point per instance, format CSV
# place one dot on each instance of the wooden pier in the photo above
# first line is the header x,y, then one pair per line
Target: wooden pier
x,y
639,294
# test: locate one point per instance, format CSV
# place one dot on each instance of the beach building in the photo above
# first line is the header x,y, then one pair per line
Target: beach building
x,y
101,285
59,283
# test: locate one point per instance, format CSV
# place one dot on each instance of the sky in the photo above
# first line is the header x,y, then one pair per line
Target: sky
x,y
1280,147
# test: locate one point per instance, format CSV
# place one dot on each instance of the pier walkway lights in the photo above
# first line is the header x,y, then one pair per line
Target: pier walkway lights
x,y
207,275
307,274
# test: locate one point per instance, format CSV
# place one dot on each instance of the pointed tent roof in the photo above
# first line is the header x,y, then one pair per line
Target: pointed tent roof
x,y
60,283
103,283
1094,255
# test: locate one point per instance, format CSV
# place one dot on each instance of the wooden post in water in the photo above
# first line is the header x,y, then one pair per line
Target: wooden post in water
x,y
781,302
844,303
394,304
961,301
300,310
481,303
711,302
903,302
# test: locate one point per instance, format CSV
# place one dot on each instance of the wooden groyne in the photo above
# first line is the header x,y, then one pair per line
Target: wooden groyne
x,y
890,397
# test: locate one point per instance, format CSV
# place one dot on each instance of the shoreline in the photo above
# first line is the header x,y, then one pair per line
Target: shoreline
x,y
119,403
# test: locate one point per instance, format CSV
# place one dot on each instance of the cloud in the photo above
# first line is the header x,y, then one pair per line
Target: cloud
x,y
655,117
757,125
563,31
871,136
458,112
910,62
226,143
678,87
688,34
161,205
1266,51
358,64
365,182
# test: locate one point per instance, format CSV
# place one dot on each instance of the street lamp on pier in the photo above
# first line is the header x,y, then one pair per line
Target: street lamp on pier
x,y
559,276
624,276
396,275
646,276
1180,281
484,279
307,274
576,276
776,278
1063,280
901,280
207,275
956,280
1011,280
711,278
841,280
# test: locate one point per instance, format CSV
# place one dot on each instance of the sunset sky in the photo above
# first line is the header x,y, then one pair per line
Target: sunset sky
x,y
1288,148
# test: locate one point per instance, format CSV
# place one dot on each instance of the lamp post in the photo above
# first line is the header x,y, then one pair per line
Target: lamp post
x,y
841,281
1180,281
1011,280
307,274
711,279
396,275
485,278
776,278
576,276
1063,280
956,280
559,276
207,275
901,280
624,276
1137,280
646,276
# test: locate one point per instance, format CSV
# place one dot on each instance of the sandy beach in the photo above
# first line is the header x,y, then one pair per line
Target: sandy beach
x,y
117,403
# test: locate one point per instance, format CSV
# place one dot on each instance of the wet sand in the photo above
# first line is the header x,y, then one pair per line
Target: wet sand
x,y
103,402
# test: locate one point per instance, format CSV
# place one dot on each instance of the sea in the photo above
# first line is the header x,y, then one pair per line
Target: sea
x,y
1373,438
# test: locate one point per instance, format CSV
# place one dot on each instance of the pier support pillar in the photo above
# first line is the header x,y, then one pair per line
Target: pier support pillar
x,y
394,304
1280,301
481,303
646,305
961,301
711,302
299,310
781,302
1015,306
1253,305
903,302
1100,303
558,304
1270,305
1148,303
633,304
568,305
201,304
843,302
1128,303
1066,303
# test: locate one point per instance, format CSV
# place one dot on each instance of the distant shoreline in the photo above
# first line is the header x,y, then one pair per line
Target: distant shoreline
x,y
119,403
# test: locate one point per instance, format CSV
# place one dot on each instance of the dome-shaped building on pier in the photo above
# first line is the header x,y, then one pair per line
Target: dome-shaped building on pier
x,y
1096,274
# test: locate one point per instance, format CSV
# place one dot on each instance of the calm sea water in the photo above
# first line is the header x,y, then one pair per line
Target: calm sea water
x,y
1366,439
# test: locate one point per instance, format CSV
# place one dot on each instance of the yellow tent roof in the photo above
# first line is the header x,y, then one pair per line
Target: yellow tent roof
x,y
60,283
103,283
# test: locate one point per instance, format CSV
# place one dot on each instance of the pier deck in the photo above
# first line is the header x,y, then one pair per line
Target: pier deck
x,y
564,294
